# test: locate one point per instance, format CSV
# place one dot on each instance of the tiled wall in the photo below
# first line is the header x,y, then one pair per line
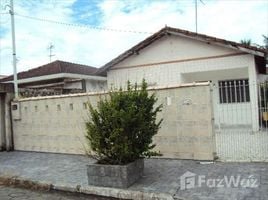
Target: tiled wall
x,y
57,124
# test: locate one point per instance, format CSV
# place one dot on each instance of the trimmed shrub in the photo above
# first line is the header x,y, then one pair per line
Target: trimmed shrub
x,y
121,128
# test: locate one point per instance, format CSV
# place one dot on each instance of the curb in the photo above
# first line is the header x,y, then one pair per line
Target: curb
x,y
24,183
92,190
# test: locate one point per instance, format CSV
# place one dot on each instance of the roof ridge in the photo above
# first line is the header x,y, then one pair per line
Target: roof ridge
x,y
68,62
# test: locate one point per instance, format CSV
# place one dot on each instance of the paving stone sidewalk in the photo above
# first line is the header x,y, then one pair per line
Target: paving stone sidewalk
x,y
161,178
12,193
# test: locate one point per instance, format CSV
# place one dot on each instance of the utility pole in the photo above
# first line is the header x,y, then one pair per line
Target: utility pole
x,y
11,12
50,47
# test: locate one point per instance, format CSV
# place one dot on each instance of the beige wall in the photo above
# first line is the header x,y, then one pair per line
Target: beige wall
x,y
57,124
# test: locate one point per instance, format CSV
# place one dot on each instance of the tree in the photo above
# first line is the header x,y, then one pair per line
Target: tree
x,y
265,41
246,42
122,126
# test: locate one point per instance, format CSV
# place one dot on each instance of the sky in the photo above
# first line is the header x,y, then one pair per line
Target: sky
x,y
93,32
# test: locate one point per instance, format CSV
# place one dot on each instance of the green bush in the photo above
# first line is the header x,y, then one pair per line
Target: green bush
x,y
121,129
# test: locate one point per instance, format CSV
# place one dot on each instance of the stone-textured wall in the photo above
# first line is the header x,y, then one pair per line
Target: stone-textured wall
x,y
57,124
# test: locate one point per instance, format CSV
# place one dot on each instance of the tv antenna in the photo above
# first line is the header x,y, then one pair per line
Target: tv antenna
x,y
50,48
196,2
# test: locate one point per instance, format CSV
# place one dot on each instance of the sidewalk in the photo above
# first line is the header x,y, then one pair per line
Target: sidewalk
x,y
161,178
15,193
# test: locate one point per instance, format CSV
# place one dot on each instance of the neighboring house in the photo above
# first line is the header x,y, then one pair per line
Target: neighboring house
x,y
174,56
59,77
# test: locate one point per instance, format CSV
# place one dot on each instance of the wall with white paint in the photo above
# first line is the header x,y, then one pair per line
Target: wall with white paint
x,y
242,145
91,85
172,73
173,47
96,86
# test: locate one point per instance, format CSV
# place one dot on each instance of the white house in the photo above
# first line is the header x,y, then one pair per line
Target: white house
x,y
175,56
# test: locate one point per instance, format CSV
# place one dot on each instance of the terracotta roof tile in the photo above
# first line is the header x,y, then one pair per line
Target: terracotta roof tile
x,y
55,67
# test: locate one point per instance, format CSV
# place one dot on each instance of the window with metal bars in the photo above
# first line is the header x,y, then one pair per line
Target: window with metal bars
x,y
234,91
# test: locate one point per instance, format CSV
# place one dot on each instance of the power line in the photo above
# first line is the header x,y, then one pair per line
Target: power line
x,y
82,26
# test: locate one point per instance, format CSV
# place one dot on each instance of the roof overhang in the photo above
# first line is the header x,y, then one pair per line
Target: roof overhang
x,y
60,75
231,45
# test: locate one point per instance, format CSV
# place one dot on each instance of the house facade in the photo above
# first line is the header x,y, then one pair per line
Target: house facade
x,y
237,75
173,56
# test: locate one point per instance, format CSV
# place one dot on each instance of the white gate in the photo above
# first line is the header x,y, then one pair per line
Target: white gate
x,y
241,120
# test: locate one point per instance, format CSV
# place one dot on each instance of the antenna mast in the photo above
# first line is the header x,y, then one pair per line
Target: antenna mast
x,y
50,48
196,13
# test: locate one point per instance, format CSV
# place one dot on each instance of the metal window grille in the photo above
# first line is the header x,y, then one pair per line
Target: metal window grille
x,y
234,91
